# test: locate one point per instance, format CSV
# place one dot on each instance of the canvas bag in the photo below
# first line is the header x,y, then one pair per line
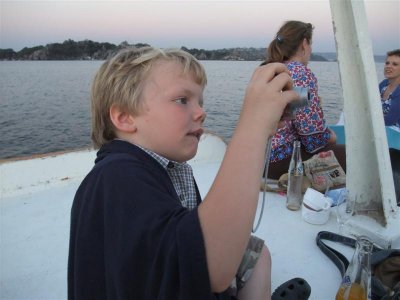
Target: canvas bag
x,y
323,170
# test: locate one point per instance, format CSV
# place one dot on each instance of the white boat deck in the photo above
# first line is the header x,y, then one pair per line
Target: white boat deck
x,y
35,215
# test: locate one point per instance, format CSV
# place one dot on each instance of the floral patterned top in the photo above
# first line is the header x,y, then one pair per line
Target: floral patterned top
x,y
391,105
309,124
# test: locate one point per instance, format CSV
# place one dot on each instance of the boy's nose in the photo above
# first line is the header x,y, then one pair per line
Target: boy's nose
x,y
203,118
200,114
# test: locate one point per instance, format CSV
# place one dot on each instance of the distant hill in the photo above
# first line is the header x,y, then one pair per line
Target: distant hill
x,y
90,50
331,56
380,58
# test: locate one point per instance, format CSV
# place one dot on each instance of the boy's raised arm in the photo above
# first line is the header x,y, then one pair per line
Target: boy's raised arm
x,y
227,212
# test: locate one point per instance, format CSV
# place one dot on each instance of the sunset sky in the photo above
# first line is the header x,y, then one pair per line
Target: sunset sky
x,y
193,24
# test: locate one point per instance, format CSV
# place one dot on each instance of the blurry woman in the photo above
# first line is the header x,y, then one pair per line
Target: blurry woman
x,y
389,89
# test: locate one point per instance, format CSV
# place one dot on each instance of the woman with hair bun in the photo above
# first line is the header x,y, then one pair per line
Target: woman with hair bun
x,y
292,46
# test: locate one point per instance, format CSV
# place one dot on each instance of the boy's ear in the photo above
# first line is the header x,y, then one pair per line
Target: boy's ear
x,y
122,120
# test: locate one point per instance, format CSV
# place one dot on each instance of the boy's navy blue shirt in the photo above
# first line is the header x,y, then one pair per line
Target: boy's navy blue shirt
x,y
130,236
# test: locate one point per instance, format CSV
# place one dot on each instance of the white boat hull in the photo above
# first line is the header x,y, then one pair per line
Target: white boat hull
x,y
35,226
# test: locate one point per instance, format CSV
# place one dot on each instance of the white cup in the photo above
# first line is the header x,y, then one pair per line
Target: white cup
x,y
315,207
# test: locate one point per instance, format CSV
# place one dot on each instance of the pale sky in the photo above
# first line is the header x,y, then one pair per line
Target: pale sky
x,y
193,24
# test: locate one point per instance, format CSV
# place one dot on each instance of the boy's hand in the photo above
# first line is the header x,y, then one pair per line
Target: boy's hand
x,y
267,95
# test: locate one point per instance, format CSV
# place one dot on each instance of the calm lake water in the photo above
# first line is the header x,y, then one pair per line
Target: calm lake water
x,y
45,105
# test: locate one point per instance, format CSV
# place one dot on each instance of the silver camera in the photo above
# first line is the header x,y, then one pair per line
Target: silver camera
x,y
291,108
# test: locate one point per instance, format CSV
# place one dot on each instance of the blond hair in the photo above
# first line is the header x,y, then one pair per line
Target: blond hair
x,y
120,79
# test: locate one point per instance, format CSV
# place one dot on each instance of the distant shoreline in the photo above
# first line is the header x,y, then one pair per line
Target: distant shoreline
x,y
90,50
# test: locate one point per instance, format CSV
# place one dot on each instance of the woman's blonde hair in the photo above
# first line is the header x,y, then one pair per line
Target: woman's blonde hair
x,y
287,40
120,80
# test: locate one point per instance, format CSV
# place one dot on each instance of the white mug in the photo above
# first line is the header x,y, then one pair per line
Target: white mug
x,y
315,207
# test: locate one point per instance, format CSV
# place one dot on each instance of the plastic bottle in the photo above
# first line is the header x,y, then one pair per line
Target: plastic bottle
x,y
294,196
356,282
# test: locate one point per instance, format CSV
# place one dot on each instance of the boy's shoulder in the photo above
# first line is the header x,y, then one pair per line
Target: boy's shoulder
x,y
121,152
124,168
120,160
120,179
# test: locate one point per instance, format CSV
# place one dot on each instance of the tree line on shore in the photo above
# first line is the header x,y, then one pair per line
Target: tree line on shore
x,y
90,50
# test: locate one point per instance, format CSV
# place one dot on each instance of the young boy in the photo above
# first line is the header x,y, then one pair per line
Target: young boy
x,y
138,227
